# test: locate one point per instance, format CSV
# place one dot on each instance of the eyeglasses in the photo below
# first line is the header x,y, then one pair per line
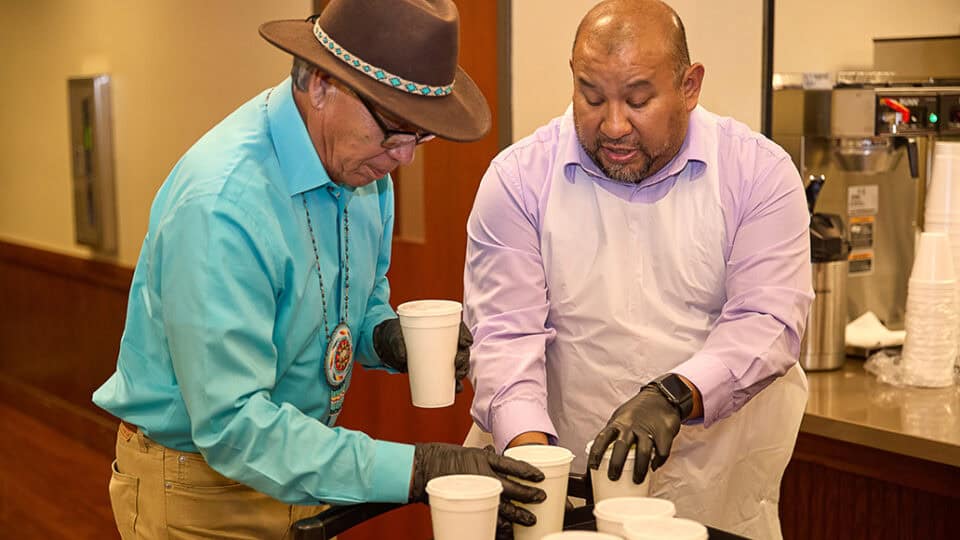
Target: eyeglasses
x,y
395,138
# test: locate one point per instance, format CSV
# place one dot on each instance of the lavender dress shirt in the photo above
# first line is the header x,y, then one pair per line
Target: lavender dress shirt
x,y
754,336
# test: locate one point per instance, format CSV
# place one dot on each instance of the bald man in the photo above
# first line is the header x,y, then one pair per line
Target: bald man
x,y
638,276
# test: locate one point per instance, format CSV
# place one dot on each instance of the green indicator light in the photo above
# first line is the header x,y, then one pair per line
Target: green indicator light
x,y
933,118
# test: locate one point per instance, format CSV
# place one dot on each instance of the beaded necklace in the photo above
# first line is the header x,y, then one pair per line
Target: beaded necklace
x,y
339,354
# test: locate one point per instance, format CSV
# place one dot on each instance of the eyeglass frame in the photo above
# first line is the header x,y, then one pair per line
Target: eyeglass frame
x,y
399,135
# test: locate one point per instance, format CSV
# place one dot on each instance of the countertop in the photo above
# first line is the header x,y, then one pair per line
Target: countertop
x,y
850,405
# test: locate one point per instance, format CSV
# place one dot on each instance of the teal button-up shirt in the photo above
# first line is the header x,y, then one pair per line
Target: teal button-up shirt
x,y
224,346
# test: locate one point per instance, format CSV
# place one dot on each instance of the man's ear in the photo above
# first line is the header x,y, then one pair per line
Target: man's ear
x,y
320,89
691,84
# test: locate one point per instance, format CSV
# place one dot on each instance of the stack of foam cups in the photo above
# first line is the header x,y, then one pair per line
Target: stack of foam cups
x,y
932,319
942,209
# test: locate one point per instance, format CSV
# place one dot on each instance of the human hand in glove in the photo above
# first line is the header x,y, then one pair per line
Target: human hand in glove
x,y
647,420
388,342
431,460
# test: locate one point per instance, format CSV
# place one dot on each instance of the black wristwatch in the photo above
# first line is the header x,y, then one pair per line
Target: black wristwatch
x,y
676,391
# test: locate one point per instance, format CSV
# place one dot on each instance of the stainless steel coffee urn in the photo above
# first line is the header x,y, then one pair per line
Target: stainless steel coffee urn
x,y
823,345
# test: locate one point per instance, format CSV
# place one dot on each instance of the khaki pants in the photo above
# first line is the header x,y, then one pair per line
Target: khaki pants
x,y
160,493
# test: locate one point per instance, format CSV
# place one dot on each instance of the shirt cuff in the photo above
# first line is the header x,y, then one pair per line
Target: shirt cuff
x,y
520,416
368,356
713,380
392,467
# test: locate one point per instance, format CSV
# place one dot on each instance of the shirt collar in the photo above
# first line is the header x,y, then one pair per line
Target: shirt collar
x,y
693,151
298,158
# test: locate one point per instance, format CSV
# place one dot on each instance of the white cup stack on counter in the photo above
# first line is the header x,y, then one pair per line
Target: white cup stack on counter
x,y
941,214
932,318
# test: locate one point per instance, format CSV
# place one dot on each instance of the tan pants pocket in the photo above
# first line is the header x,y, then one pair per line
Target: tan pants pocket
x,y
228,511
124,491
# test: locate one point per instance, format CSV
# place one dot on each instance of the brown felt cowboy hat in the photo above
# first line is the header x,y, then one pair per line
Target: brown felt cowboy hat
x,y
399,54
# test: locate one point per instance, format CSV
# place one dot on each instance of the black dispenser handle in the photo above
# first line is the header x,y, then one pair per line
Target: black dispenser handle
x,y
813,191
912,154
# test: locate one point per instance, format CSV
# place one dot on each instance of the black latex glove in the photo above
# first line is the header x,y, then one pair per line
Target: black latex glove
x,y
388,342
431,460
648,421
505,528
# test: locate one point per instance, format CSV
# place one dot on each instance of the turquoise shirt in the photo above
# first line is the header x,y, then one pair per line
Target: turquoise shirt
x,y
223,350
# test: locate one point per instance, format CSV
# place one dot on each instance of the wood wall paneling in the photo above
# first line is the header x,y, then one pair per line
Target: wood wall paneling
x,y
833,489
62,319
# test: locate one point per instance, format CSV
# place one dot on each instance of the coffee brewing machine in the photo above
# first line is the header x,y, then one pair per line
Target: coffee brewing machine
x,y
869,142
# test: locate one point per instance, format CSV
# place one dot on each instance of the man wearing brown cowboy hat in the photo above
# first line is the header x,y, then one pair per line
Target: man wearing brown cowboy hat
x,y
263,276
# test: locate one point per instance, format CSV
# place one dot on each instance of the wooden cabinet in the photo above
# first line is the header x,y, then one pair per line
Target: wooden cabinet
x,y
833,490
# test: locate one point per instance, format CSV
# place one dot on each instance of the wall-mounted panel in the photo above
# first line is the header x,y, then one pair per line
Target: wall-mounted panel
x,y
91,149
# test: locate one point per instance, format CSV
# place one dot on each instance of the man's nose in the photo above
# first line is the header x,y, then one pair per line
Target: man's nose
x,y
615,123
403,153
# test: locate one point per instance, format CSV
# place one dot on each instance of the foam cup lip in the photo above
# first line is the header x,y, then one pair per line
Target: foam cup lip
x,y
924,283
580,535
428,308
674,528
617,508
943,190
631,455
946,148
940,218
540,455
464,487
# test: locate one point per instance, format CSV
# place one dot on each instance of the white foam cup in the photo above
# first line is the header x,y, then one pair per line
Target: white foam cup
x,y
464,506
554,462
664,529
580,535
943,193
431,329
933,261
612,513
948,148
604,488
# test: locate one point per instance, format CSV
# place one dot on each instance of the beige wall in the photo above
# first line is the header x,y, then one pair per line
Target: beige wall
x,y
725,36
178,66
543,33
832,35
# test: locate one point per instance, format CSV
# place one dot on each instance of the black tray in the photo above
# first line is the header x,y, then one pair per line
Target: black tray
x,y
339,519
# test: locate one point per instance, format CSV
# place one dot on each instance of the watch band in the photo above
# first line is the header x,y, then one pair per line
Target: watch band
x,y
677,393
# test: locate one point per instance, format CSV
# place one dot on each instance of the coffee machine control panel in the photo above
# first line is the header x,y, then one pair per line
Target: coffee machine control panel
x,y
907,113
950,112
